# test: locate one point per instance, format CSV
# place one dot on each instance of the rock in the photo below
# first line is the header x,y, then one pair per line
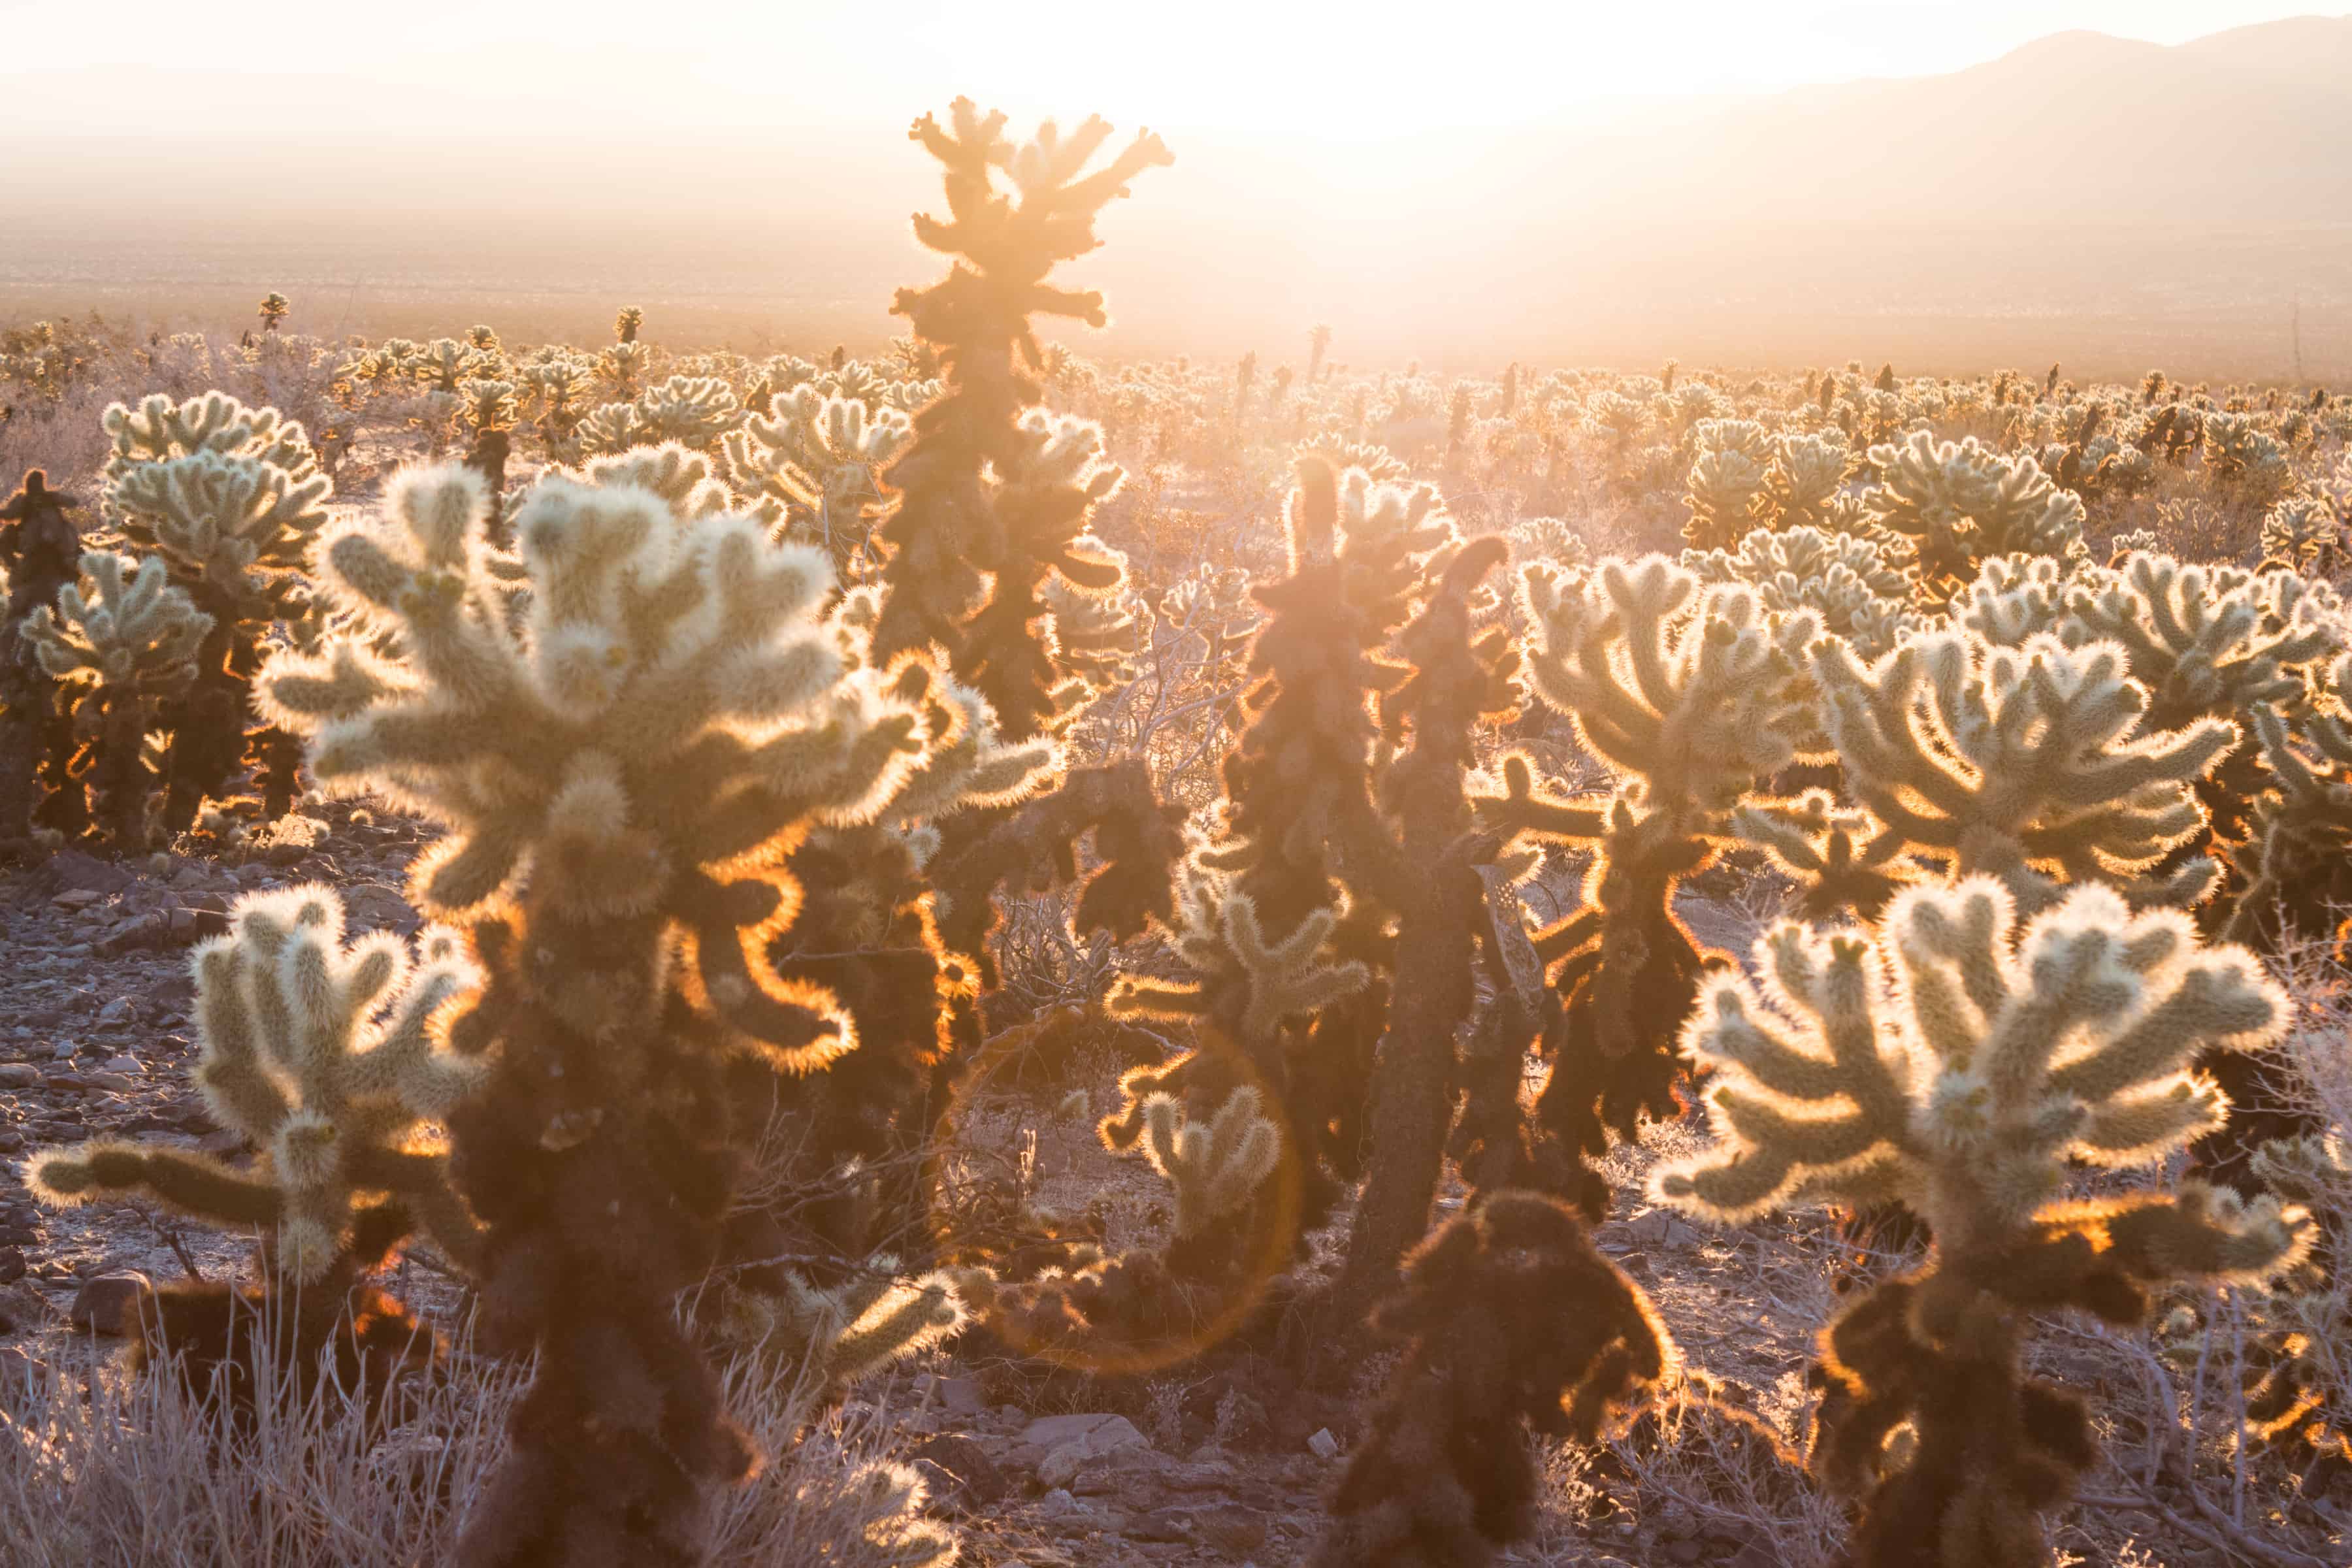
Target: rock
x,y
1323,1446
65,1050
22,1308
1681,1234
76,899
74,871
12,1265
1060,1466
122,1064
112,1082
1650,1229
372,907
18,1075
1100,1432
966,1478
1160,1524
1637,1263
111,1304
1231,1529
117,1013
957,1395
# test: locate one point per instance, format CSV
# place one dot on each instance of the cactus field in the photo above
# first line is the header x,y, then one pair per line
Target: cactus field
x,y
962,950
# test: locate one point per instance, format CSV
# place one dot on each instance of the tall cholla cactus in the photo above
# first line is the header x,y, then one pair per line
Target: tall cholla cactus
x,y
1282,950
230,497
1690,695
40,552
959,542
2030,764
122,644
322,1053
1959,503
634,765
1958,1061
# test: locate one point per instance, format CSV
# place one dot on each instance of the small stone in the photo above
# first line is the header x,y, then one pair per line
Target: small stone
x,y
18,1075
112,1082
111,1304
76,872
12,1265
122,1064
66,1051
115,1013
1637,1263
1160,1524
1650,1229
76,899
1681,1234
1231,1529
1100,1432
1323,1446
957,1395
966,1477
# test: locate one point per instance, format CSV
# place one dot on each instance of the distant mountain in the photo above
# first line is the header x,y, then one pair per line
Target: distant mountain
x,y
2248,125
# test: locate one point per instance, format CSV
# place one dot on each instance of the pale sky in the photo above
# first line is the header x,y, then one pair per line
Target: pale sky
x,y
595,70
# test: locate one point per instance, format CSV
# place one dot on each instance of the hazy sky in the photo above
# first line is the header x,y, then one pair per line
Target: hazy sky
x,y
594,70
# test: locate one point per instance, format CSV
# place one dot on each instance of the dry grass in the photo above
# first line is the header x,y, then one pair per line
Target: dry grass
x,y
102,1467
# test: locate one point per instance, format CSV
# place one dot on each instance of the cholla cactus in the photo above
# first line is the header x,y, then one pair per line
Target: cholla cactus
x,y
1805,478
1236,1199
625,323
2213,643
2247,463
955,545
693,411
1512,1316
2305,534
40,551
1726,486
2299,840
635,762
832,1336
811,465
2030,763
231,499
1690,695
321,1053
2015,598
1271,936
1843,580
121,643
1213,1168
1958,1061
1958,504
272,310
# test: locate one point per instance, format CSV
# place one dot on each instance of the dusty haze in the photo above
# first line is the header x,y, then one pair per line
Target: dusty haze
x,y
2110,203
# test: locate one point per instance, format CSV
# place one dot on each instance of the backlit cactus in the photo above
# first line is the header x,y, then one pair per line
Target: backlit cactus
x,y
122,644
1960,1060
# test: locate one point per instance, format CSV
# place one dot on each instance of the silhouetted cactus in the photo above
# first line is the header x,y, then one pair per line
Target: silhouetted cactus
x,y
1513,1317
120,644
1958,1061
40,552
965,551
